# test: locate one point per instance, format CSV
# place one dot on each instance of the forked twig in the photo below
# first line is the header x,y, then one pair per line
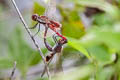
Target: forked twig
x,y
13,71
30,34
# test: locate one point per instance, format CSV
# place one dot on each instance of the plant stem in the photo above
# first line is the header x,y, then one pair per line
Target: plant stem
x,y
13,71
30,34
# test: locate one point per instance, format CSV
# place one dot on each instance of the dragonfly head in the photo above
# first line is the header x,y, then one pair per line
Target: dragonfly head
x,y
62,41
35,17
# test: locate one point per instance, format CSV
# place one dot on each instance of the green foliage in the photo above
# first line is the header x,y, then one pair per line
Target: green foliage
x,y
69,52
111,10
102,19
101,54
21,52
72,28
105,73
37,8
101,41
76,74
97,49
77,45
71,23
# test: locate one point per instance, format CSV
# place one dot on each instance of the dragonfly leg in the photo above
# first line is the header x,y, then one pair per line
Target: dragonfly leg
x,y
46,29
34,26
37,31
55,38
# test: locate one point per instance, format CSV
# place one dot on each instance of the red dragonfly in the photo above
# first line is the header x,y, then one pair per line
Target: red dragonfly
x,y
47,21
56,49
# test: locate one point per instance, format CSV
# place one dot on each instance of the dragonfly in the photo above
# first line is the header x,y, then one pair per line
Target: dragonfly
x,y
47,21
57,48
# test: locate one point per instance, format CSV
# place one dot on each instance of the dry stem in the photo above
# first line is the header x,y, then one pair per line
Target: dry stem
x,y
13,71
30,34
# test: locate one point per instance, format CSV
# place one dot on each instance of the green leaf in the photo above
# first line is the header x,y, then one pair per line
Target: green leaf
x,y
37,8
104,73
97,52
78,46
107,35
102,19
73,53
5,63
21,52
71,23
74,15
72,28
101,54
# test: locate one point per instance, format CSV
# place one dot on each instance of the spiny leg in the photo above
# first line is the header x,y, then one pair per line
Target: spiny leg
x,y
37,31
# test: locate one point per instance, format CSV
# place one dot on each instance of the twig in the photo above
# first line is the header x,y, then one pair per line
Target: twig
x,y
45,68
13,71
30,34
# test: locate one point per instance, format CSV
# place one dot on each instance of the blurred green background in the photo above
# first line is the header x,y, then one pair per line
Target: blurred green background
x,y
92,28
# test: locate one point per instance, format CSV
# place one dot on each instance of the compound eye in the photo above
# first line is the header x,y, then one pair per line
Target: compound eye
x,y
34,17
64,41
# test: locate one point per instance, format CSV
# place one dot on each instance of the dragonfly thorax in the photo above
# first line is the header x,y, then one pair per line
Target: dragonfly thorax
x,y
44,19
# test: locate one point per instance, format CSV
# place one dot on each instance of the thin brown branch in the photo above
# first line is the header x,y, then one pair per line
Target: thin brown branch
x,y
30,34
13,71
45,68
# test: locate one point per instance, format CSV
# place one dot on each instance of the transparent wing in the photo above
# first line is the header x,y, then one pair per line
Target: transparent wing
x,y
50,33
51,9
